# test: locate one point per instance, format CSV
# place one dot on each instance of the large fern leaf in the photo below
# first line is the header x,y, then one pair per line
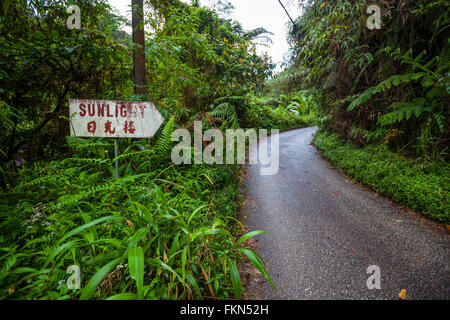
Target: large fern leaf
x,y
164,142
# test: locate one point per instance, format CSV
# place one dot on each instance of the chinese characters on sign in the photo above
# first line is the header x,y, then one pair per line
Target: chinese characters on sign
x,y
113,119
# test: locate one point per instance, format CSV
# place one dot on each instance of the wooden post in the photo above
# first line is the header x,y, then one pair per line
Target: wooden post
x,y
139,53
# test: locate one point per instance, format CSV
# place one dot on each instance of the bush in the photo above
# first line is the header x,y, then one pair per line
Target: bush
x,y
423,186
158,232
282,112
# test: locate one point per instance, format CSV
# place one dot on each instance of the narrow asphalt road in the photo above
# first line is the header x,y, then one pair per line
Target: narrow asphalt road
x,y
326,232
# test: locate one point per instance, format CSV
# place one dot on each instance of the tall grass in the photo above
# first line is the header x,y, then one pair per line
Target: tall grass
x,y
158,232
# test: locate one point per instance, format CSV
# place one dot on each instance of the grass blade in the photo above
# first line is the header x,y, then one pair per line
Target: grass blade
x,y
195,212
236,280
136,265
257,261
97,278
124,296
88,225
194,283
249,235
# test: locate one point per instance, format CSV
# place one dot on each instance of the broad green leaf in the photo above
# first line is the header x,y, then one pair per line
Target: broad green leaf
x,y
249,235
257,261
97,278
409,113
194,283
183,261
61,248
136,265
427,82
88,225
235,280
124,296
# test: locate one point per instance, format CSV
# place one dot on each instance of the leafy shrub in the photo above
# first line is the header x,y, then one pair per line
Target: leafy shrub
x,y
391,85
158,232
283,112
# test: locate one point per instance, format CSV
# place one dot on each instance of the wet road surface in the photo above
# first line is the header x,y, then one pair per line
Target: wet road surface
x,y
326,232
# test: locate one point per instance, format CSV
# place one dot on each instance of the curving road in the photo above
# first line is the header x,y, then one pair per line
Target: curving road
x,y
326,231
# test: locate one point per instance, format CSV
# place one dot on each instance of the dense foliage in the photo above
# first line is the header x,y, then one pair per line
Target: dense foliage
x,y
193,57
388,86
383,90
271,109
159,231
423,188
42,64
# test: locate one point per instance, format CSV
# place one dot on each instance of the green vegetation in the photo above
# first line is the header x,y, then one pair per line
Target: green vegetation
x,y
172,232
281,111
159,231
175,221
385,92
386,86
424,187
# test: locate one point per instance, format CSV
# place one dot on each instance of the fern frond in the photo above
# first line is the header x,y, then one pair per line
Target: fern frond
x,y
70,200
93,161
383,86
403,110
50,179
164,142
134,154
226,114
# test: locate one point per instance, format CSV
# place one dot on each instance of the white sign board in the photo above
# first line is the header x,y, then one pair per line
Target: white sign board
x,y
113,119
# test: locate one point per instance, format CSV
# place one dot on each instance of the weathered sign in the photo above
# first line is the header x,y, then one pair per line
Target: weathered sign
x,y
113,119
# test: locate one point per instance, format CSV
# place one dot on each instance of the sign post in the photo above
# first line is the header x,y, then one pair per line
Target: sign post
x,y
116,154
113,119
120,119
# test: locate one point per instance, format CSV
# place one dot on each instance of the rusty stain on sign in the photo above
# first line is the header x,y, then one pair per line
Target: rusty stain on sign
x,y
113,119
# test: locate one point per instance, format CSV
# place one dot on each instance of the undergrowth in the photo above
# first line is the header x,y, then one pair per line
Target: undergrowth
x,y
421,186
281,111
158,232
